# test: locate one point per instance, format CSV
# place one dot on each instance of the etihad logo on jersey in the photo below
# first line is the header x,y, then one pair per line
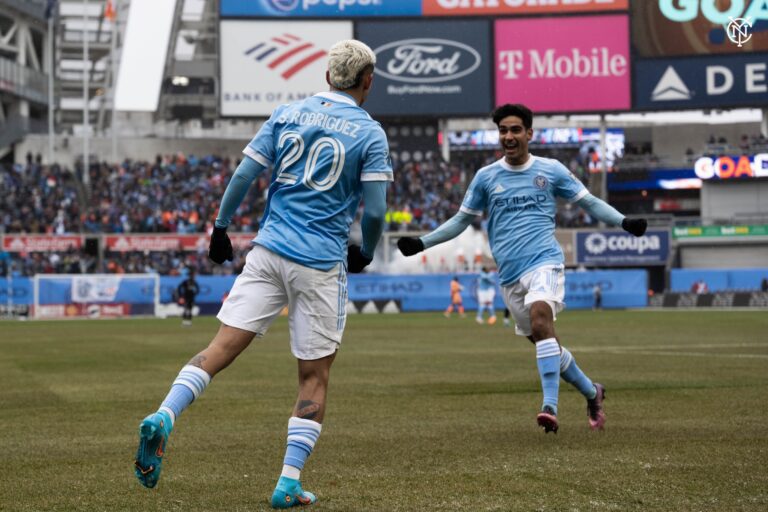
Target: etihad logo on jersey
x,y
517,201
424,61
597,62
286,54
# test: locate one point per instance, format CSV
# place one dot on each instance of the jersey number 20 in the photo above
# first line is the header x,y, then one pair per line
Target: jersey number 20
x,y
296,151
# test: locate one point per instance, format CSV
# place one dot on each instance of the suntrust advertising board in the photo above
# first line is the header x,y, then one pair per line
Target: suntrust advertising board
x,y
570,64
428,67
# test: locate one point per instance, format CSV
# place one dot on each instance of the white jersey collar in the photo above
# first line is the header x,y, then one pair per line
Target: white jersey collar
x,y
518,168
339,97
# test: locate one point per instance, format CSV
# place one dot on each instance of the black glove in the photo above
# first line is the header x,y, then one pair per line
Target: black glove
x,y
356,260
635,226
410,245
220,249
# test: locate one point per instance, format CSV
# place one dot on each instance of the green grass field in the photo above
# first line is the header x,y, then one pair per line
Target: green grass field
x,y
424,413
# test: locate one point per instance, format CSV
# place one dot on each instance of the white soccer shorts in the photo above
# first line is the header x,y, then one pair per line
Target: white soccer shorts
x,y
316,302
486,296
545,283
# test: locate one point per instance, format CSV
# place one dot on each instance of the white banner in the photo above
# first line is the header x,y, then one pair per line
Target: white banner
x,y
94,289
265,64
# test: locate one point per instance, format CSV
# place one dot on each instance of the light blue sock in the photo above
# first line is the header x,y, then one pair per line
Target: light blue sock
x,y
548,362
302,436
572,374
189,384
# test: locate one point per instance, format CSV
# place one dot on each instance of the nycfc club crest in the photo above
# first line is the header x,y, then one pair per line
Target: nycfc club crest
x,y
540,182
738,30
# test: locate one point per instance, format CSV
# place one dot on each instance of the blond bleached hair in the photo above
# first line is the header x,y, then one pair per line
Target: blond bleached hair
x,y
347,60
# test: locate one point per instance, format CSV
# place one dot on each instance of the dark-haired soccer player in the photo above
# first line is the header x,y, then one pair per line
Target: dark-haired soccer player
x,y
519,195
326,153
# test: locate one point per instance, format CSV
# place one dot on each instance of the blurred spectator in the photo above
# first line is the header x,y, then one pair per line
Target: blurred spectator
x,y
764,284
699,287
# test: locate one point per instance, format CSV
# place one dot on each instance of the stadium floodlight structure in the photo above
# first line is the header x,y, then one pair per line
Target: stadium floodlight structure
x,y
95,295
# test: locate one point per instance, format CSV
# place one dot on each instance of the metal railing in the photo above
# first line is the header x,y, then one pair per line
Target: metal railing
x,y
24,82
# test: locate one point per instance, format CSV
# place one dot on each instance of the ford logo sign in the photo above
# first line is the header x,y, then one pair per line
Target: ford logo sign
x,y
426,60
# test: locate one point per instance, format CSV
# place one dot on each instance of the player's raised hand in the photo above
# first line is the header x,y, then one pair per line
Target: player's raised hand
x,y
356,260
410,245
635,226
220,249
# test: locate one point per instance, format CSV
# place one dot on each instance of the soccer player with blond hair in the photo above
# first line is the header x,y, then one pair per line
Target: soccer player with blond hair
x,y
327,154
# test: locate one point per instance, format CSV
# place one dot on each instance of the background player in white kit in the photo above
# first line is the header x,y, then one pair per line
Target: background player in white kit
x,y
519,194
326,153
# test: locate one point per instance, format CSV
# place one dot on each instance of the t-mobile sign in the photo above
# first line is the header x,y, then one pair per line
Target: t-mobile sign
x,y
573,64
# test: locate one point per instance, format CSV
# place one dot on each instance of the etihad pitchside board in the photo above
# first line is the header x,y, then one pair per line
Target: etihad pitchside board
x,y
665,28
495,7
429,67
564,64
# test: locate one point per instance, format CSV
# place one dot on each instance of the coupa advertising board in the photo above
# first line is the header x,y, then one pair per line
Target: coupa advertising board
x,y
320,8
265,64
708,82
429,67
618,248
566,64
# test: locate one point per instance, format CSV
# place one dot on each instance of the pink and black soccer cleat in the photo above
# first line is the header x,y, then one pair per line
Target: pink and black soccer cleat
x,y
595,411
547,419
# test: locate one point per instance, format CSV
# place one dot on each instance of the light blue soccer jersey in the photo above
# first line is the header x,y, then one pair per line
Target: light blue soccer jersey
x,y
521,205
486,281
322,149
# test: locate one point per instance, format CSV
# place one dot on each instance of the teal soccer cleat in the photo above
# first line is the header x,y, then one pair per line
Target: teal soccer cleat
x,y
153,437
288,493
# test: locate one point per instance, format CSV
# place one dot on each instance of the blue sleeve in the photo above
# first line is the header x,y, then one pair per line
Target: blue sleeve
x,y
448,230
600,210
567,185
238,186
262,146
375,198
475,200
377,164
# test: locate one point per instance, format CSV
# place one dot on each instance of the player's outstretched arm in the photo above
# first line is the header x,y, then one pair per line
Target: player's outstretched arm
x,y
604,212
448,230
372,225
220,248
